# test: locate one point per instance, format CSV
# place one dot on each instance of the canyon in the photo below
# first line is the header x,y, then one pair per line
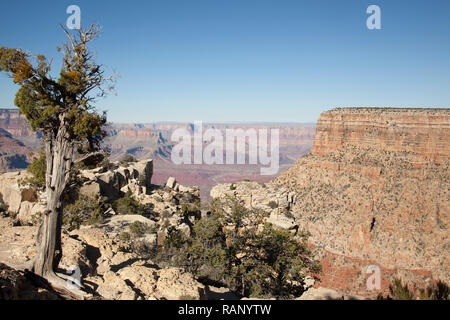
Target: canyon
x,y
153,140
371,186
374,190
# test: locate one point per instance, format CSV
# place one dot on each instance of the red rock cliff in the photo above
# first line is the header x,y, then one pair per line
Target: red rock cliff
x,y
375,191
422,132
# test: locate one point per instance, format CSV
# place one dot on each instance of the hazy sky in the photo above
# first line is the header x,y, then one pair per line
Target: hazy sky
x,y
249,60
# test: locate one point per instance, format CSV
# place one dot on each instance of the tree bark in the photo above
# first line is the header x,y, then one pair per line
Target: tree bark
x,y
59,152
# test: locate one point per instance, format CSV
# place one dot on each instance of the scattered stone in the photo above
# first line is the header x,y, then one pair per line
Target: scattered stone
x,y
171,182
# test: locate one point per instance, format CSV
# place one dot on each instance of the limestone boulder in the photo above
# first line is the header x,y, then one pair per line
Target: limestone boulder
x,y
322,293
118,223
75,254
174,283
171,182
113,287
144,169
281,221
142,278
13,194
90,188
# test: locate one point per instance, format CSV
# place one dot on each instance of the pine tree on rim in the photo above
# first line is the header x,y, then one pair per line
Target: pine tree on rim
x,y
62,110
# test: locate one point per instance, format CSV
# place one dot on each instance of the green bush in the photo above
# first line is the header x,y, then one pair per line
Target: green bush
x,y
139,229
37,168
125,236
128,205
84,211
400,291
3,206
189,209
232,186
272,204
230,249
174,238
106,165
126,159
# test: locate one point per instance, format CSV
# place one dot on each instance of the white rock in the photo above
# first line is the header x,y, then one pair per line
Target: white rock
x,y
171,182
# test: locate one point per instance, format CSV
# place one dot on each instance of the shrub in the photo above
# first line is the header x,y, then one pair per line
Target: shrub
x,y
232,186
37,168
232,250
3,205
207,250
174,238
400,291
189,209
106,165
124,236
139,229
272,204
92,162
437,291
228,248
126,159
128,205
84,211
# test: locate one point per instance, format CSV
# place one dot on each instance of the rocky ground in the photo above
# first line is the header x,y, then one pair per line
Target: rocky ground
x,y
110,266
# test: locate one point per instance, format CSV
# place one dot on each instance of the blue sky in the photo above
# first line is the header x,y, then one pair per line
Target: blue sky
x,y
249,60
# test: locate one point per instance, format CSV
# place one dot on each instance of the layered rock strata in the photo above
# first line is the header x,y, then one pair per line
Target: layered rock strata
x,y
373,191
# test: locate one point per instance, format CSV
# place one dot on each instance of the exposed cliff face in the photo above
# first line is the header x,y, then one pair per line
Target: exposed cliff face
x,y
15,123
13,153
373,190
422,132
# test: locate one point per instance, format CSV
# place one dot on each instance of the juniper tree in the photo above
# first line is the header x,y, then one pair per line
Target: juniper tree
x,y
61,109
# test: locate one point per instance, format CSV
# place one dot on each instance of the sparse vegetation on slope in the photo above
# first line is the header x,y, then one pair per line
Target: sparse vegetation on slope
x,y
236,249
128,205
400,291
85,210
37,168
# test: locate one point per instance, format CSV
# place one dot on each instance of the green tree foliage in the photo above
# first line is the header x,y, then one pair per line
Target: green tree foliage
x,y
126,159
3,206
237,249
140,229
37,168
84,211
273,205
61,108
399,291
128,205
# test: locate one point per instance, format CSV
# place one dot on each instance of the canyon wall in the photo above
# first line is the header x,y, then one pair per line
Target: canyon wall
x,y
15,123
152,140
13,153
374,190
422,132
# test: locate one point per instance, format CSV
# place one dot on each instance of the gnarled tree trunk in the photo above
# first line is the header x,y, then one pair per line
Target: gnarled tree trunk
x,y
59,153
